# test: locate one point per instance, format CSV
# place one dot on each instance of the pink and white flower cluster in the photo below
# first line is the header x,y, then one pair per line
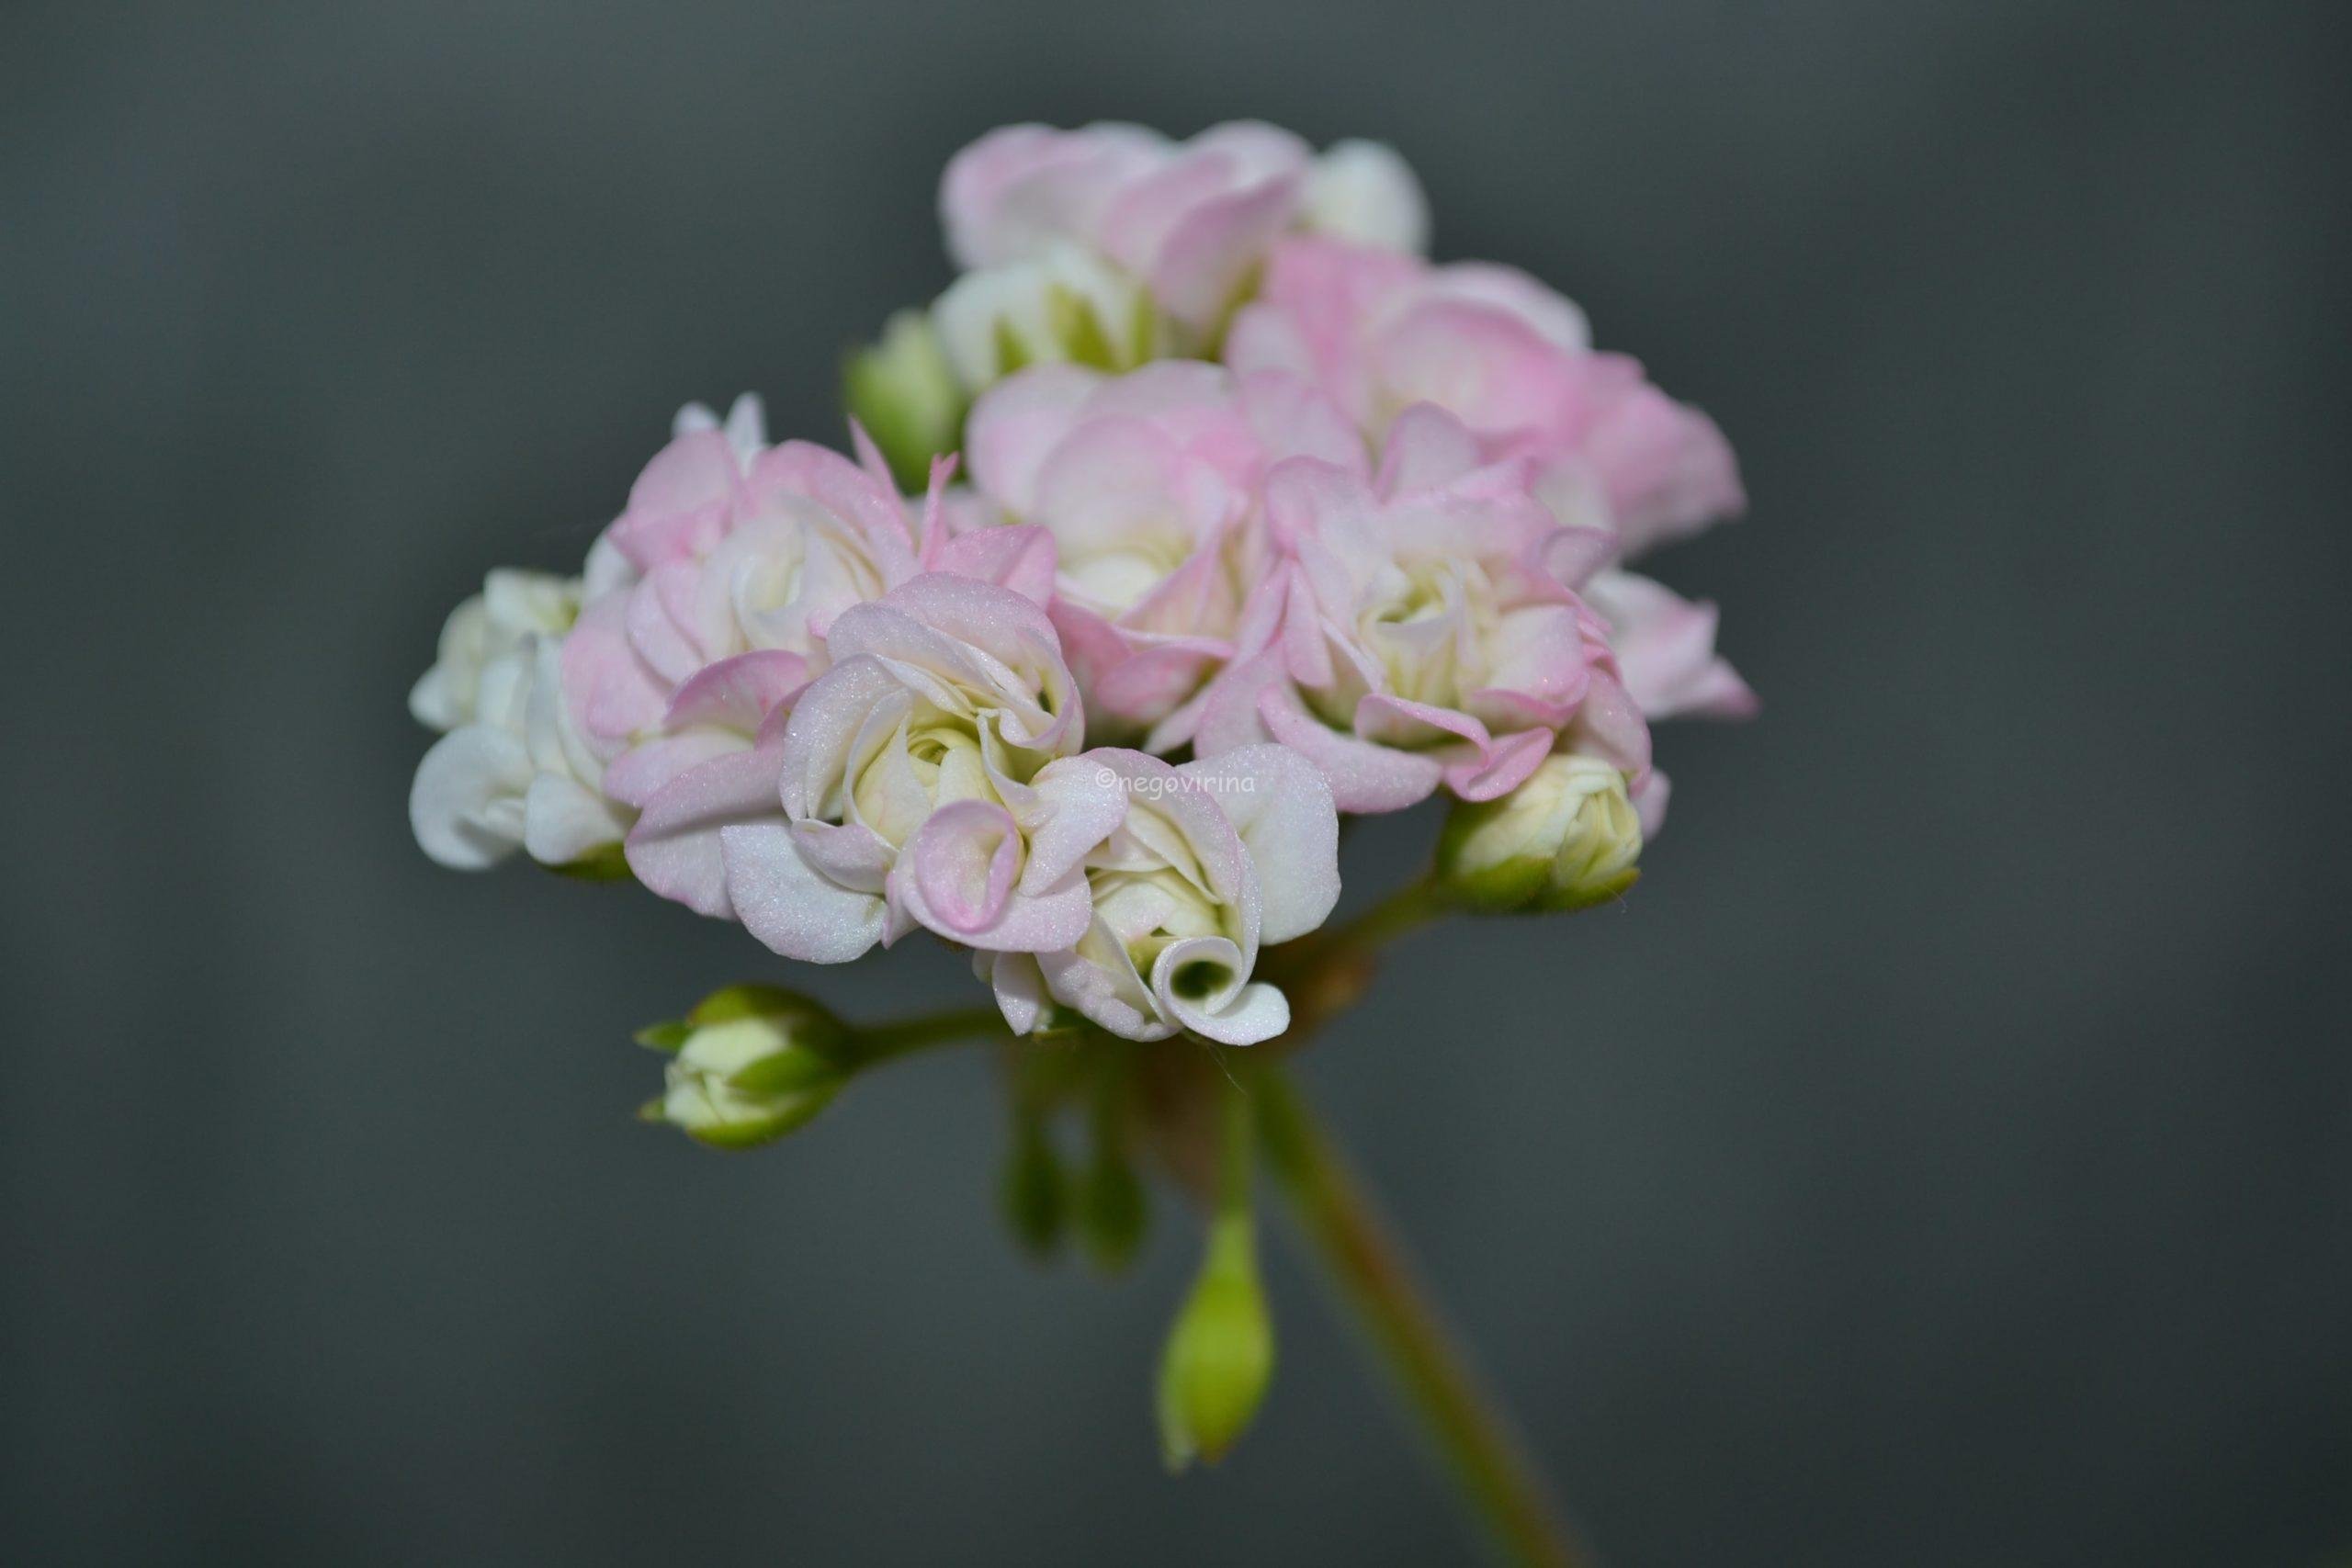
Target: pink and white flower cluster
x,y
1091,713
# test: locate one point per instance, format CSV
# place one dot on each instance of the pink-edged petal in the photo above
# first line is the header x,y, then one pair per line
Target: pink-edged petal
x,y
1503,766
611,694
1667,469
788,905
1364,777
1666,648
675,848
1018,558
639,774
824,725
1238,1012
1427,447
1609,724
738,692
963,860
680,503
1649,798
1015,426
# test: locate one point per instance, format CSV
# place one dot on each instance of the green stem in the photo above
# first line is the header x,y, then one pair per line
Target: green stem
x,y
1366,1268
879,1043
1417,903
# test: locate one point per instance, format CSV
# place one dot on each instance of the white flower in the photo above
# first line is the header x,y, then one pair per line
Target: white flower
x,y
1210,859
494,623
514,773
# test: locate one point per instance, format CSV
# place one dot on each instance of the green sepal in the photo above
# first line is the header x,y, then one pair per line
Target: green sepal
x,y
608,863
668,1037
1078,331
1563,902
790,1071
905,393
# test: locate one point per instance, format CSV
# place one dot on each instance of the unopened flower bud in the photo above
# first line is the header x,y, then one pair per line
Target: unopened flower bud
x,y
1220,1356
1566,839
905,393
1067,306
752,1063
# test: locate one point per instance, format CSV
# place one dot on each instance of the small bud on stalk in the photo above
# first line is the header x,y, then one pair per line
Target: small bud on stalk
x,y
751,1062
1566,839
905,393
1220,1354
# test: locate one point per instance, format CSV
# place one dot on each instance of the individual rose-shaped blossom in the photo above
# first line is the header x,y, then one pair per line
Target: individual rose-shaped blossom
x,y
1209,860
927,779
1189,220
742,556
1382,331
1421,629
1148,484
514,773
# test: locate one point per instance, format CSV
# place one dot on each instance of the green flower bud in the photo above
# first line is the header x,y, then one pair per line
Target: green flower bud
x,y
1566,839
1220,1356
1067,306
906,395
750,1064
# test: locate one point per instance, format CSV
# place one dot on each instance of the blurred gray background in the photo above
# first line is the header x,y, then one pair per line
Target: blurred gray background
x,y
1945,1158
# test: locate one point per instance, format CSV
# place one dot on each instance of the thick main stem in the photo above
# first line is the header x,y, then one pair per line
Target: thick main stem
x,y
1367,1270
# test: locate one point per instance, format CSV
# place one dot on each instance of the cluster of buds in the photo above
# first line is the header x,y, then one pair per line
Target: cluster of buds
x,y
1199,511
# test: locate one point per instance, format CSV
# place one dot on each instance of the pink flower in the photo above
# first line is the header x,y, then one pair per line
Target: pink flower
x,y
1148,484
1190,220
1381,331
1420,629
739,559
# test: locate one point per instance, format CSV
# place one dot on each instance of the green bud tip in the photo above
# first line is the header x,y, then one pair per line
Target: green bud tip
x,y
906,395
1219,1359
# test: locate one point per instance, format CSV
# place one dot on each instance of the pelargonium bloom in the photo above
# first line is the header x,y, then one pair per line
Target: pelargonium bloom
x,y
1421,628
511,771
1209,861
1148,484
1190,222
927,779
1382,331
741,557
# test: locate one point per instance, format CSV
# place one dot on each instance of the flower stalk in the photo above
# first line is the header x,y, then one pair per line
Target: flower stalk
x,y
1367,1271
